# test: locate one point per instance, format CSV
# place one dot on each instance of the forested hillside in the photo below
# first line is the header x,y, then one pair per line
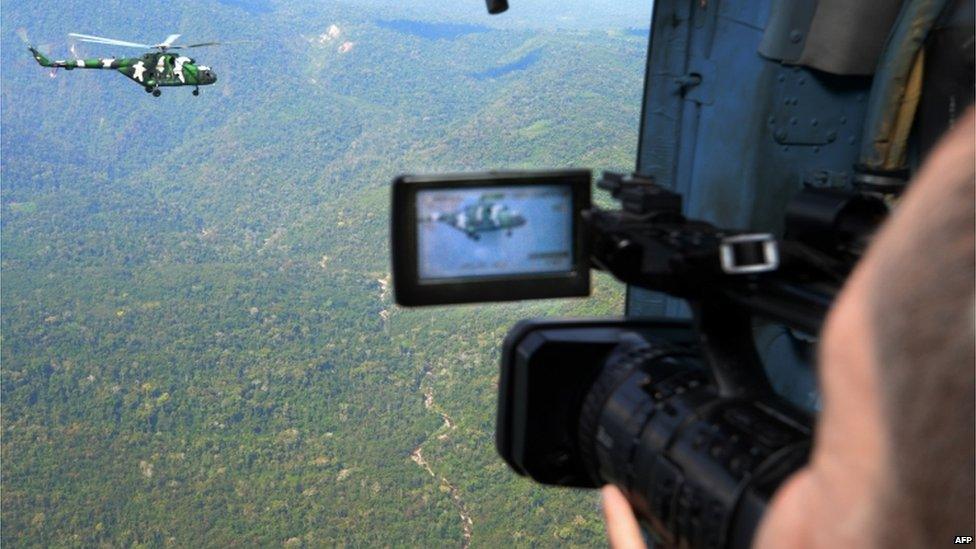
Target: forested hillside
x,y
199,344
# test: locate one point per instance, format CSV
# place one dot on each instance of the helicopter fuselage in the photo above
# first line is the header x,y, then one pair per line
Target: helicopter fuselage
x,y
151,71
486,216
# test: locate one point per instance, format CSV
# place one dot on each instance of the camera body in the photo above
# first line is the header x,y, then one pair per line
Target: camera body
x,y
680,414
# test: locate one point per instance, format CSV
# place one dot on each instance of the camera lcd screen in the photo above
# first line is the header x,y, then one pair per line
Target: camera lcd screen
x,y
494,231
495,236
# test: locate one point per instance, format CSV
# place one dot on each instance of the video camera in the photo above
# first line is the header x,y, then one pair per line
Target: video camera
x,y
679,414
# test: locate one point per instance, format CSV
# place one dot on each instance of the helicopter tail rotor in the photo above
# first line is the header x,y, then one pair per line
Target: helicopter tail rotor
x,y
41,59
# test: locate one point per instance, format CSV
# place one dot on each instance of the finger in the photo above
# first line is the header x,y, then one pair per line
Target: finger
x,y
622,528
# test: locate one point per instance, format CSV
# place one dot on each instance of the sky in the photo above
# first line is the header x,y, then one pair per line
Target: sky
x,y
537,14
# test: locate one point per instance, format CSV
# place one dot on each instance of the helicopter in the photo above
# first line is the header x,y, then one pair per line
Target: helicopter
x,y
152,70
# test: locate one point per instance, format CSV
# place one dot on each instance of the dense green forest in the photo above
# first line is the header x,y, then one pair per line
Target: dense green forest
x,y
199,345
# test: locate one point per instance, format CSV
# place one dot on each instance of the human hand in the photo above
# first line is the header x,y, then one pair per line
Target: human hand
x,y
622,528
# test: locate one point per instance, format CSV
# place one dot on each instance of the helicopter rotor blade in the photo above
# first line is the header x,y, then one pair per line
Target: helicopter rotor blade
x,y
203,44
107,41
165,44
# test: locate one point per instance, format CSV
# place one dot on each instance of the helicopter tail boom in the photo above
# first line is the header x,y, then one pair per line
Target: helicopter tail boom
x,y
93,63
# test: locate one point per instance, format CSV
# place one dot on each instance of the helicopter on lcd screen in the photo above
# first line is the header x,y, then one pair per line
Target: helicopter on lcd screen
x,y
485,216
152,71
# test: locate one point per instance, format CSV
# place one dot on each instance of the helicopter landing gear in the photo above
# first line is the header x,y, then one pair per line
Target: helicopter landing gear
x,y
196,91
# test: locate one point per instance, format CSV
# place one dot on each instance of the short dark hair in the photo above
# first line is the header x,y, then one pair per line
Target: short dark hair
x,y
923,317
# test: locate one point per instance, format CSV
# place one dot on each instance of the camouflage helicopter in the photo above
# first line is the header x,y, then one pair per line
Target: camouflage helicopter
x,y
484,216
151,71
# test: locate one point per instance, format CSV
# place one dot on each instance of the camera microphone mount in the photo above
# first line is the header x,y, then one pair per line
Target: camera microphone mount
x,y
727,277
649,242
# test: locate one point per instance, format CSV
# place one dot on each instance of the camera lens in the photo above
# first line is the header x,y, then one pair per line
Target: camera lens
x,y
697,468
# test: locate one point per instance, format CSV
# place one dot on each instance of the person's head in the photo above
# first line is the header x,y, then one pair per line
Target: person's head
x,y
893,459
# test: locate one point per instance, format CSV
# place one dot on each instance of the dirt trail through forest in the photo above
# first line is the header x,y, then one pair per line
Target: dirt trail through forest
x,y
418,455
